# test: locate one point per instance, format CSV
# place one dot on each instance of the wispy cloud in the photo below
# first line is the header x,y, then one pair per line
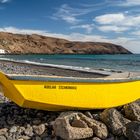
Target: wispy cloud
x,y
73,15
137,33
73,36
70,14
130,3
21,31
114,28
4,1
117,22
87,27
70,19
124,3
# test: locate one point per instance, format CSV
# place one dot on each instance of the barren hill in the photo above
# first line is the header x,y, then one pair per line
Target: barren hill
x,y
37,44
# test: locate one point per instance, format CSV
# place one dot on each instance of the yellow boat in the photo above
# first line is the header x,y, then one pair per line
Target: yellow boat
x,y
67,93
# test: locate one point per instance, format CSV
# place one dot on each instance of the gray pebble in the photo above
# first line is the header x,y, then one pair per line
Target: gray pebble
x,y
2,138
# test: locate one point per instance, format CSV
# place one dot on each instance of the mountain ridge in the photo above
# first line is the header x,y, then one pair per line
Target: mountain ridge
x,y
38,44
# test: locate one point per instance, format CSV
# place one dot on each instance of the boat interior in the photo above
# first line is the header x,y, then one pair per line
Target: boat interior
x,y
116,77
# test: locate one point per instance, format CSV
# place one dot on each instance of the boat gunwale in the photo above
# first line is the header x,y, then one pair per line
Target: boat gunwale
x,y
45,78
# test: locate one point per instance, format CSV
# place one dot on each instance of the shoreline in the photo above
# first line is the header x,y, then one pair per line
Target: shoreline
x,y
11,67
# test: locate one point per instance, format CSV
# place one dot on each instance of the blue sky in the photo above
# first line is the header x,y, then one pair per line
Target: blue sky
x,y
115,21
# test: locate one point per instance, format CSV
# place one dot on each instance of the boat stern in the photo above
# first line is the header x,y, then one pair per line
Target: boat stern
x,y
9,90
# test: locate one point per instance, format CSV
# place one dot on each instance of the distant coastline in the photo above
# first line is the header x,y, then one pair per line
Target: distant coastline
x,y
37,44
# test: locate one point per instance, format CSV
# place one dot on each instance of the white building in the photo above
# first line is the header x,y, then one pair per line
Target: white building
x,y
2,51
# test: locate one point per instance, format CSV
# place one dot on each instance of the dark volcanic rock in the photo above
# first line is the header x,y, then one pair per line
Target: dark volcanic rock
x,y
133,130
26,44
114,120
132,110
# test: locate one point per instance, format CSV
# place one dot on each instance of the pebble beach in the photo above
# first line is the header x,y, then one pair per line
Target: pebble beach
x,y
16,123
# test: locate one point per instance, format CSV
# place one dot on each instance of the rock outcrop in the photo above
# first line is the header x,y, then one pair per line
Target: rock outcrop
x,y
63,127
133,130
18,123
132,110
114,120
75,125
37,44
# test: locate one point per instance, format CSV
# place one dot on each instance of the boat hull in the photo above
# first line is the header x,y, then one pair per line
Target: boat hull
x,y
70,95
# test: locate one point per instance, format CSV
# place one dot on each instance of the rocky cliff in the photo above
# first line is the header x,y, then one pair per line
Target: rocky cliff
x,y
27,44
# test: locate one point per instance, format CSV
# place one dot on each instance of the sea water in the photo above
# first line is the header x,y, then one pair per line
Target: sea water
x,y
120,62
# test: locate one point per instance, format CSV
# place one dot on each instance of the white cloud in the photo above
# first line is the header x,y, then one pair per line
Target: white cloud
x,y
130,3
137,33
4,1
85,37
117,22
21,31
87,27
132,21
118,19
110,18
114,28
130,43
72,36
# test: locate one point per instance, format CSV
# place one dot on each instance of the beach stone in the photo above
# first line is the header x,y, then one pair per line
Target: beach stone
x,y
21,130
3,131
137,101
79,123
96,116
37,138
2,138
114,120
40,129
2,121
121,138
29,131
95,138
88,114
13,136
62,127
133,130
45,136
24,137
9,138
13,129
40,114
36,121
110,137
10,121
132,110
99,129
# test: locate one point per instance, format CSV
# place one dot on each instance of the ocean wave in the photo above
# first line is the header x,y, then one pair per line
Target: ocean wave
x,y
76,68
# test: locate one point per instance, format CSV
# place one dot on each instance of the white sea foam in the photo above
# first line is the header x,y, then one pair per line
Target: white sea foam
x,y
82,69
